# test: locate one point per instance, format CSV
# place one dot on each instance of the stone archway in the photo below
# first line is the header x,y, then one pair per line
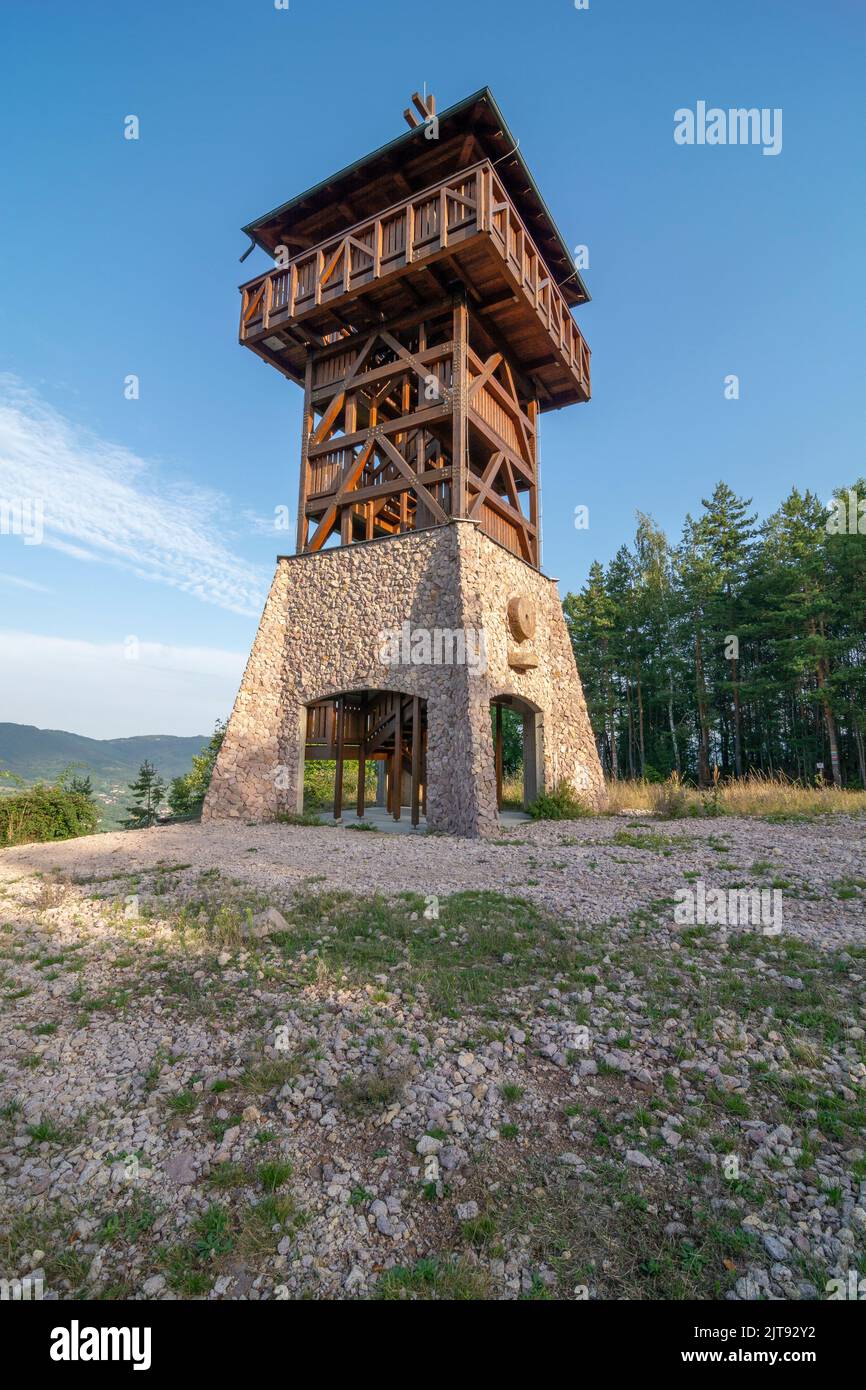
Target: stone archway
x,y
387,727
533,744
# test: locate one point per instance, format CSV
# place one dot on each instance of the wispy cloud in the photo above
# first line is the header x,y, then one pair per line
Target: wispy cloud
x,y
104,503
24,583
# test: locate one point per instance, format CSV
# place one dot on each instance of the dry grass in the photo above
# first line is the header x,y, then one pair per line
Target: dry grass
x,y
755,795
512,791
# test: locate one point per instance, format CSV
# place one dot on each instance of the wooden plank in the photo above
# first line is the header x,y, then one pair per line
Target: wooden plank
x,y
397,775
498,709
323,530
362,762
459,433
416,758
326,424
338,778
304,475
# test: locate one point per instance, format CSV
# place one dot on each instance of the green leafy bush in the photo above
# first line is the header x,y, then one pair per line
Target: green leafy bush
x,y
45,812
562,803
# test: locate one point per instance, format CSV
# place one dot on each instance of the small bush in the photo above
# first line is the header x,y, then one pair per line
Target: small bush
x,y
563,803
46,812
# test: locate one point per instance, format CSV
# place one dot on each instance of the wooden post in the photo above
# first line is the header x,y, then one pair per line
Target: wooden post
x,y
416,757
307,429
397,773
338,779
362,760
535,490
498,709
346,513
460,394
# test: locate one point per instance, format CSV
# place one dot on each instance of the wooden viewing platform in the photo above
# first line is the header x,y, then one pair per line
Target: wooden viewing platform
x,y
466,220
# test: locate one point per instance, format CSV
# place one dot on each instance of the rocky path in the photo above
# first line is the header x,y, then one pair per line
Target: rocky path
x,y
235,1067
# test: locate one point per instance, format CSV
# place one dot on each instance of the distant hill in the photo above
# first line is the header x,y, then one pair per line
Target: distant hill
x,y
111,763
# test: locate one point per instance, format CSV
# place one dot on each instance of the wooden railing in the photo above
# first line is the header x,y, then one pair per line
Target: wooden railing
x,y
462,206
526,265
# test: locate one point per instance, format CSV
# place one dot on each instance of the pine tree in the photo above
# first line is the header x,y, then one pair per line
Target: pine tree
x,y
667,687
726,533
148,790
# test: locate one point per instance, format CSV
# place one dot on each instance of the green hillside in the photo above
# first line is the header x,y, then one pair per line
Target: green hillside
x,y
42,754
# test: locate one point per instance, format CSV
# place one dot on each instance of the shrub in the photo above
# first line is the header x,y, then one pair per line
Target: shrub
x,y
44,812
562,803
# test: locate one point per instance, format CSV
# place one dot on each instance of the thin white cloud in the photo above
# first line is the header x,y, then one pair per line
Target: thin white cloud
x,y
25,583
115,689
101,502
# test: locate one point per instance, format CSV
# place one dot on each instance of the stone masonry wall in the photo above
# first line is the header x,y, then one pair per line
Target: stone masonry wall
x,y
321,633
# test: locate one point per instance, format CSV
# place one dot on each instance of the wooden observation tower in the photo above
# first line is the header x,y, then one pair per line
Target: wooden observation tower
x,y
422,298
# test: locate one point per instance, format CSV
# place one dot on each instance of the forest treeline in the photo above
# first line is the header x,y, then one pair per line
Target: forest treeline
x,y
742,647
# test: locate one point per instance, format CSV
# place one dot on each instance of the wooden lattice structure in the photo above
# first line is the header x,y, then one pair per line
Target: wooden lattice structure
x,y
423,298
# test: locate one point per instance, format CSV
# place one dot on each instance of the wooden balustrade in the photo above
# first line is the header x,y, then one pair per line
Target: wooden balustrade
x,y
431,223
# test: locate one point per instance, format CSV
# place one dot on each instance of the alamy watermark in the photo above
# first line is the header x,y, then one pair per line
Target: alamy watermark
x,y
729,907
847,515
23,516
738,125
30,1288
437,646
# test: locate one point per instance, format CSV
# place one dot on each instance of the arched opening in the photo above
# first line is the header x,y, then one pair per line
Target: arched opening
x,y
384,734
517,751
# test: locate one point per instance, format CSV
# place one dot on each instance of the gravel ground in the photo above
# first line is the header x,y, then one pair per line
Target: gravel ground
x,y
231,1070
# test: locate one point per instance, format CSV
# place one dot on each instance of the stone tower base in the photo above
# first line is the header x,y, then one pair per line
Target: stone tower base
x,y
332,617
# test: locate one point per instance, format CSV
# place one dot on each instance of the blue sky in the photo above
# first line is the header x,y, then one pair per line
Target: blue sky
x,y
121,257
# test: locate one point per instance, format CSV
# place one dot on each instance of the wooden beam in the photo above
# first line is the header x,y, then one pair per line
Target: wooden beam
x,y
375,491
407,422
416,758
460,437
304,477
412,478
326,424
485,373
498,709
397,776
338,778
323,530
484,483
362,762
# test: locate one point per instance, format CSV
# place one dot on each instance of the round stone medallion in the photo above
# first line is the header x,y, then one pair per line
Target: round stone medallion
x,y
521,617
